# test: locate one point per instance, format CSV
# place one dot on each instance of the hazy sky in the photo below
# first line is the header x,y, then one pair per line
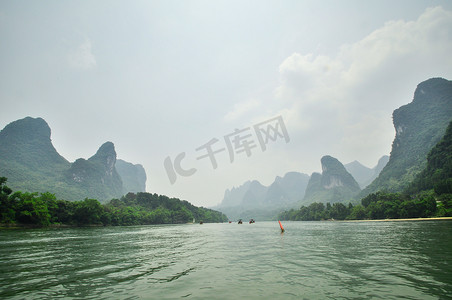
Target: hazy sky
x,y
164,78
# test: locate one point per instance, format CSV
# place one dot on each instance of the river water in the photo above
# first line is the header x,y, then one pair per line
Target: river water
x,y
310,260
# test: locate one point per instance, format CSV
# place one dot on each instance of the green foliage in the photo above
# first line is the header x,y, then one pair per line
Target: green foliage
x,y
7,212
159,209
131,209
358,212
30,209
88,211
317,211
375,206
445,205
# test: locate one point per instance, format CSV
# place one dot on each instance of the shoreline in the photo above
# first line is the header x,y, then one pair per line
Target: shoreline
x,y
399,220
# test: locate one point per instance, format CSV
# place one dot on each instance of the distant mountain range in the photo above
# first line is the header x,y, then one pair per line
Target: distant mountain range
x,y
335,184
254,200
419,125
31,163
364,175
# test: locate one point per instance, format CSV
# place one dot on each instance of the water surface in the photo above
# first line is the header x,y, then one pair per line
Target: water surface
x,y
311,260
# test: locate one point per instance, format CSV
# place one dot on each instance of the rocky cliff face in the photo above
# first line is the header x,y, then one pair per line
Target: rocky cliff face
x,y
106,157
419,125
335,175
97,176
335,184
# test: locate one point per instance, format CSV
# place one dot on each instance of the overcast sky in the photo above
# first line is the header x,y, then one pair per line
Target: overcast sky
x,y
166,81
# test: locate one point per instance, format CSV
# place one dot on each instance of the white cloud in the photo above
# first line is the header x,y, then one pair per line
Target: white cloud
x,y
241,109
82,57
358,89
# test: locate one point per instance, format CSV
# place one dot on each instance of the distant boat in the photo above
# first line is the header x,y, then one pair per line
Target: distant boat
x,y
252,221
240,221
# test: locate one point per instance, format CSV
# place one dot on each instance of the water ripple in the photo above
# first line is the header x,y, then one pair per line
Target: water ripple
x,y
311,260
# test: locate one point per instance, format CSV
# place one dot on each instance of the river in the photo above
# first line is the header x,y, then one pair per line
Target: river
x,y
310,260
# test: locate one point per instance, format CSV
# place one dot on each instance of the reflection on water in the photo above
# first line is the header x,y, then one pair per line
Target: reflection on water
x,y
311,260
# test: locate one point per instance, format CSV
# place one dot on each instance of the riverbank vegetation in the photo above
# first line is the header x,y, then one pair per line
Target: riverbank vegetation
x,y
376,206
44,209
428,195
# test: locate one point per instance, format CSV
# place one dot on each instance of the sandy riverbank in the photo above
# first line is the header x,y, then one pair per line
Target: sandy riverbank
x,y
398,220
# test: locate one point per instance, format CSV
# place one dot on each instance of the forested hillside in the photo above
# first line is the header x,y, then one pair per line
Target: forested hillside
x,y
438,173
419,126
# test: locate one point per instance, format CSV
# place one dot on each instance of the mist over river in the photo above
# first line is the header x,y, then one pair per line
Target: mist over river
x,y
310,260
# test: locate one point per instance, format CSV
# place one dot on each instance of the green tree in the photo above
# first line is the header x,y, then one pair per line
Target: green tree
x,y
7,207
445,205
31,209
358,212
51,202
88,211
182,215
339,211
161,216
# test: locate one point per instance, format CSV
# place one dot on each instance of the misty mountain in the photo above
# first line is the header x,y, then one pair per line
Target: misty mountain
x,y
335,184
97,177
254,200
254,195
419,127
364,175
31,163
294,186
133,176
27,156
